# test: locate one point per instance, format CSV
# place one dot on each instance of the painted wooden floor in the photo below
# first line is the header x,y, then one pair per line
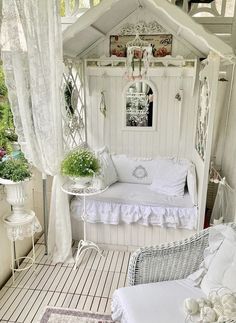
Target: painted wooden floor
x,y
87,288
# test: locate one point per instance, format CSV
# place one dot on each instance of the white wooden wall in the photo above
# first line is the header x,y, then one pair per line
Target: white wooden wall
x,y
164,141
127,236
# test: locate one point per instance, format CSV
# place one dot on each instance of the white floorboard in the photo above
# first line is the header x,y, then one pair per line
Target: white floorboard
x,y
88,288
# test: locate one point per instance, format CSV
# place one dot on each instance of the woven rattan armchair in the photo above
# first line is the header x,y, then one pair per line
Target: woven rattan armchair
x,y
171,261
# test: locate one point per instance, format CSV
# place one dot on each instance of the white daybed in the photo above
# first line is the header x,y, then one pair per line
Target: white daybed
x,y
157,192
129,203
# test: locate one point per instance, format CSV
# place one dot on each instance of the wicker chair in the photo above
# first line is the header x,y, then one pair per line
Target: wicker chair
x,y
171,261
168,264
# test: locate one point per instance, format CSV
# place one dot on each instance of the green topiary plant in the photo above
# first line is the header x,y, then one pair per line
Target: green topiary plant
x,y
80,163
15,169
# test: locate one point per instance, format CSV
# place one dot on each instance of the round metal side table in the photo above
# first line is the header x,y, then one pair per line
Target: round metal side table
x,y
71,188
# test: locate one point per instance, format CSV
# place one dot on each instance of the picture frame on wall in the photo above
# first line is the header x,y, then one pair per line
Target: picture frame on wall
x,y
161,44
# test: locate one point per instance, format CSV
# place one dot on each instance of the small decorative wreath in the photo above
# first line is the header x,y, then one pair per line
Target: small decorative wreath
x,y
140,172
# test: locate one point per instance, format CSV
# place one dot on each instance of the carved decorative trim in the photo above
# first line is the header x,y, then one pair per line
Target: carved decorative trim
x,y
142,27
202,118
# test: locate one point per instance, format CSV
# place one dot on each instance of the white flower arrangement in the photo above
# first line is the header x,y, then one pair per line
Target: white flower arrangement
x,y
80,163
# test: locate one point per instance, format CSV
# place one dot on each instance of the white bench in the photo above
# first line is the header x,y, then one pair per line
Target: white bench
x,y
136,197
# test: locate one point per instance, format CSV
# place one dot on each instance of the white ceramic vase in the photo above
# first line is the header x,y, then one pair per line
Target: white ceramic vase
x,y
82,182
16,196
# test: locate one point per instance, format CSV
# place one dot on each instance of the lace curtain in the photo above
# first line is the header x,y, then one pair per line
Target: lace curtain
x,y
32,57
223,209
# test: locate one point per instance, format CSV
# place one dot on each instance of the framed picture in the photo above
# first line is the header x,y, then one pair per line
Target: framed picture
x,y
161,44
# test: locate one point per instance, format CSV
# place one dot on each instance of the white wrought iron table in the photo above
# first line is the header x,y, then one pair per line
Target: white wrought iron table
x,y
70,188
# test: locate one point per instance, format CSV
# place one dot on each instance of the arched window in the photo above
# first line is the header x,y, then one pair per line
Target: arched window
x,y
140,105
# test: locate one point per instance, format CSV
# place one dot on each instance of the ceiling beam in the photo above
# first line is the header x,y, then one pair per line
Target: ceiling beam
x,y
98,30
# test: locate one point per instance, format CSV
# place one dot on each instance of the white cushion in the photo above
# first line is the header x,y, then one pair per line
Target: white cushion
x,y
217,234
222,269
153,303
130,203
108,171
133,170
170,177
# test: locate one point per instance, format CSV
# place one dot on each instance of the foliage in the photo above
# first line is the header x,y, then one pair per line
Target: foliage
x,y
7,129
15,169
3,88
62,8
80,163
72,4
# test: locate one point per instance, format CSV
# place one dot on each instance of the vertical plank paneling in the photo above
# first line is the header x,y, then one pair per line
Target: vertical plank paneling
x,y
134,235
163,141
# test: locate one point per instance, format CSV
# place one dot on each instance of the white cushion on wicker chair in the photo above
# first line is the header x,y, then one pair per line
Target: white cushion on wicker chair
x,y
160,302
217,235
222,269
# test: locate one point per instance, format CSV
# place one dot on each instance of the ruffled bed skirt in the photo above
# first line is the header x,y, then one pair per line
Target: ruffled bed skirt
x,y
115,213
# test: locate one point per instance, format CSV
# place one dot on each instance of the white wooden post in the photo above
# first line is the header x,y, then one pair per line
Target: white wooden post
x,y
210,72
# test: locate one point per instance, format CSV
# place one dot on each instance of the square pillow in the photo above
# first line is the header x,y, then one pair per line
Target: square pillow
x,y
217,234
222,269
108,172
134,170
170,177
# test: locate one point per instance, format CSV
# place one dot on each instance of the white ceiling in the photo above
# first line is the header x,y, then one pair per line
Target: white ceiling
x,y
97,22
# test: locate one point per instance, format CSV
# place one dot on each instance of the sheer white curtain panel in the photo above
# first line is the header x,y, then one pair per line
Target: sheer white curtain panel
x,y
32,56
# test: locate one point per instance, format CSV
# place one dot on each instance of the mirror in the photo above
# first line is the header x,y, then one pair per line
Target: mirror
x,y
139,98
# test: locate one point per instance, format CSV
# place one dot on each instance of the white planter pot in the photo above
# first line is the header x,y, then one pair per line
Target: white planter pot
x,y
16,196
81,182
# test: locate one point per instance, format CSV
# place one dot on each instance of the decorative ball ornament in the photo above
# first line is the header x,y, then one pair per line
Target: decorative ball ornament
x,y
214,309
191,306
228,299
207,314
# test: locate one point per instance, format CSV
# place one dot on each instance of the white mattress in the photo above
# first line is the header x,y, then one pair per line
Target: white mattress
x,y
137,203
161,302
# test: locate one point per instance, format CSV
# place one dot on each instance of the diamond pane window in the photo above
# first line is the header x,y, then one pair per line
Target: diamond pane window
x,y
74,112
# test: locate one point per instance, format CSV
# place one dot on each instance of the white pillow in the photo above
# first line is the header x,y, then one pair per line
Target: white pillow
x,y
134,170
192,183
108,171
170,177
222,269
217,234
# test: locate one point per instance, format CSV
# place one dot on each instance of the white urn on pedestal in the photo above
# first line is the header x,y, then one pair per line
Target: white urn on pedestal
x,y
16,196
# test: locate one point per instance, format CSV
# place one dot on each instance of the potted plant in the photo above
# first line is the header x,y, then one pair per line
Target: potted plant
x,y
14,171
81,166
